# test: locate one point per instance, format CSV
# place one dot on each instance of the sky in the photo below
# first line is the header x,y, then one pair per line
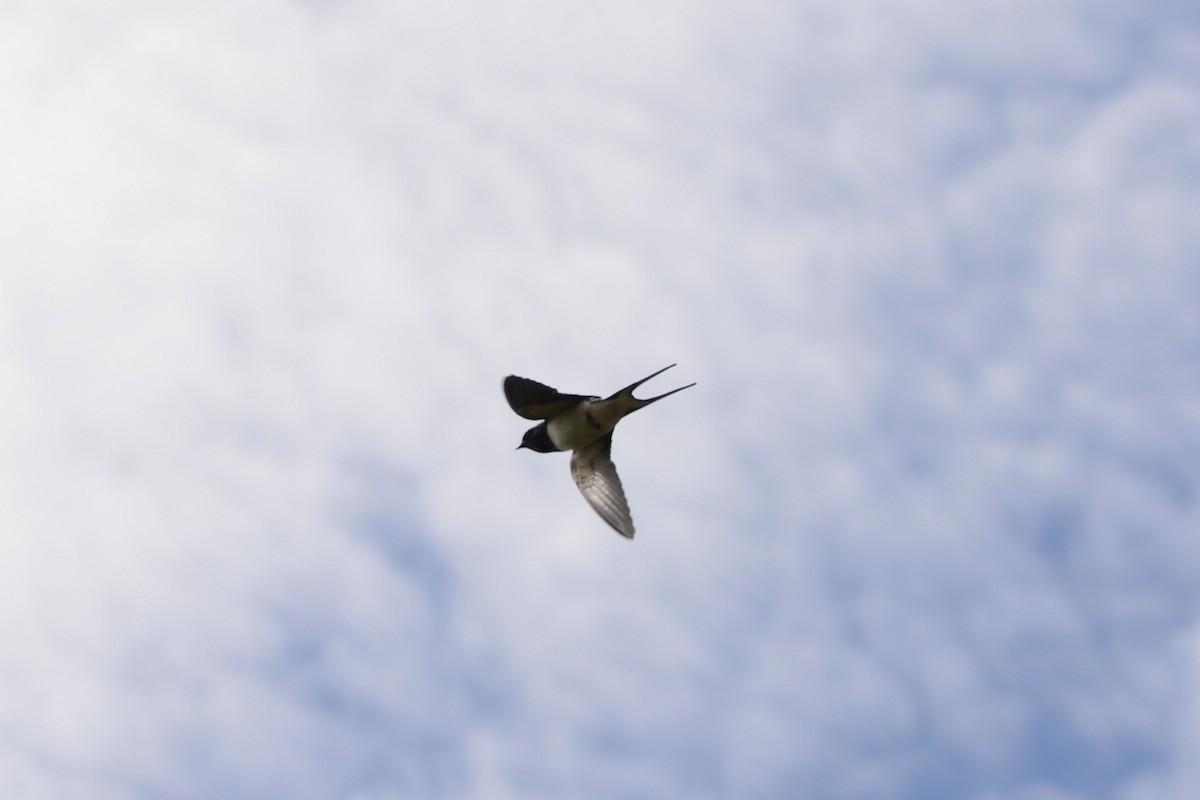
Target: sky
x,y
927,526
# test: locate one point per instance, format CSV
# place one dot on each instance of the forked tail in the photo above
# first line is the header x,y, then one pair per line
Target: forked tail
x,y
634,403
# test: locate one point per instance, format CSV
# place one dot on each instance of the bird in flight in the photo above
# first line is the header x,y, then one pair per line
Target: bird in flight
x,y
584,425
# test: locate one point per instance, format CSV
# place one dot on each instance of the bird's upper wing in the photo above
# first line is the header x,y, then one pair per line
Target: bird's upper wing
x,y
533,400
596,476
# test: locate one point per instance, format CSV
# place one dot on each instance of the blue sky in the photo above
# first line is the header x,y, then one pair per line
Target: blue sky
x,y
927,526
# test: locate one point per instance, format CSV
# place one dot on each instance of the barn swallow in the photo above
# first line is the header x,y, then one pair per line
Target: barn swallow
x,y
584,425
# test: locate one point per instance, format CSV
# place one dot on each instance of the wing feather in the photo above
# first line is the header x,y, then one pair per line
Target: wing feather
x,y
533,400
596,476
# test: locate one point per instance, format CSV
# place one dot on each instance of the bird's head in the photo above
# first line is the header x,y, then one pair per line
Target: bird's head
x,y
537,438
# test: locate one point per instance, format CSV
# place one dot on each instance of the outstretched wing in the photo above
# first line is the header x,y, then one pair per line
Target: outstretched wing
x,y
533,400
596,476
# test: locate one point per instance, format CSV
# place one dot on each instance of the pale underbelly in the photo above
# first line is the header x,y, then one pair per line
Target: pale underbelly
x,y
576,429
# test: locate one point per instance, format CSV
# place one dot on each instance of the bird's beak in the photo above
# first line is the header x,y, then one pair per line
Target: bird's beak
x,y
522,444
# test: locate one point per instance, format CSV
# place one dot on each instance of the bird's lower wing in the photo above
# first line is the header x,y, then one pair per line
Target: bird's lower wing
x,y
596,476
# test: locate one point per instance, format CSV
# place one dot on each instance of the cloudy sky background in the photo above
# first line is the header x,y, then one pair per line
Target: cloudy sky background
x,y
927,526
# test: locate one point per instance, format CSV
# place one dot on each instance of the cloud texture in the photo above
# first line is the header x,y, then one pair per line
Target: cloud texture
x,y
927,527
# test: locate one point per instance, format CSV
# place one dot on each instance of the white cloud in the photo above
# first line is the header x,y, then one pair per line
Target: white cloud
x,y
924,528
